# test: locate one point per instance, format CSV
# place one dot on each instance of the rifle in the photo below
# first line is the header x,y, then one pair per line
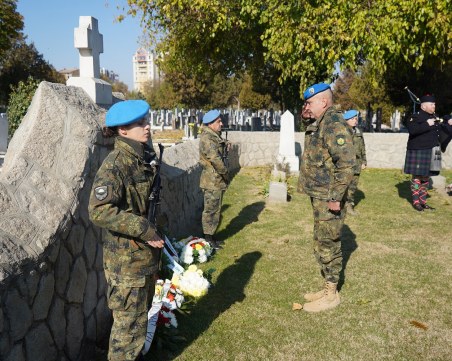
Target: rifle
x,y
154,203
225,155
154,197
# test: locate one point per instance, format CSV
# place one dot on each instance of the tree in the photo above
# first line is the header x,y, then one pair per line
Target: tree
x,y
11,25
21,62
161,95
250,98
301,40
20,100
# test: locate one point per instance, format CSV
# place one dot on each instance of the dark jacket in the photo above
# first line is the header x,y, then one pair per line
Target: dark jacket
x,y
422,135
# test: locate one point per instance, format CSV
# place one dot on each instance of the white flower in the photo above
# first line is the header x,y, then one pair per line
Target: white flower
x,y
193,283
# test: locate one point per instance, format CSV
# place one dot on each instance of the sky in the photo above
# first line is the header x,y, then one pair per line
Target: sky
x,y
50,25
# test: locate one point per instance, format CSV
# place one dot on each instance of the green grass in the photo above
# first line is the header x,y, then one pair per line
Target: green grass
x,y
397,270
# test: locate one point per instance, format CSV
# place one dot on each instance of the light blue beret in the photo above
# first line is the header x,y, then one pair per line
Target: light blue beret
x,y
349,114
126,112
210,116
315,89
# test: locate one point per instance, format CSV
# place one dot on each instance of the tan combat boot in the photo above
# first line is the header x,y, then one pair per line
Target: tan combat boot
x,y
313,296
330,299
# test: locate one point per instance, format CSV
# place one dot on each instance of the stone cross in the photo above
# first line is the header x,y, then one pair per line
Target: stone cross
x,y
287,143
90,44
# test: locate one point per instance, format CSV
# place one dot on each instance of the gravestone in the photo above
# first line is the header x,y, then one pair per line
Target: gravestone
x,y
277,192
89,42
286,153
3,133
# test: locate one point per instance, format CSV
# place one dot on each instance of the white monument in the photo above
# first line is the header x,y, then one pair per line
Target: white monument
x,y
286,153
89,42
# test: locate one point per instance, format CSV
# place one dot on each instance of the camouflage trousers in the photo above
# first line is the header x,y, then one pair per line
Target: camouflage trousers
x,y
212,210
327,243
352,189
129,301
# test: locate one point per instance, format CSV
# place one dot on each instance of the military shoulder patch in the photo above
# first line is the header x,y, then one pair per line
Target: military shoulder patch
x,y
340,140
101,193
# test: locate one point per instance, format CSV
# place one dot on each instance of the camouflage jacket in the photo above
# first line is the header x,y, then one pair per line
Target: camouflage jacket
x,y
119,202
360,149
214,174
328,157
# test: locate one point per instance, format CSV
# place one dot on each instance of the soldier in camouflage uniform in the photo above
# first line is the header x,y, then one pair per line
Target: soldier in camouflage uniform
x,y
326,172
351,117
215,175
119,203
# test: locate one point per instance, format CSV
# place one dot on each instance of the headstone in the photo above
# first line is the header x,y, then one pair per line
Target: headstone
x,y
277,192
378,120
256,124
89,42
439,183
286,153
3,132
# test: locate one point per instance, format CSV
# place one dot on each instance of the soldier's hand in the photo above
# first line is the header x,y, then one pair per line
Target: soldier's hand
x,y
431,121
334,206
156,241
363,166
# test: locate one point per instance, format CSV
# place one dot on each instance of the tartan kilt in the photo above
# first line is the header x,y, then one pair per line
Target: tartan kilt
x,y
417,162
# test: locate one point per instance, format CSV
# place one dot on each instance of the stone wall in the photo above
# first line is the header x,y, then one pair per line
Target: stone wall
x,y
384,150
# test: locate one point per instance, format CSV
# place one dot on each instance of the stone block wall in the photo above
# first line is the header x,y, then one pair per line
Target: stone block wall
x,y
52,286
384,150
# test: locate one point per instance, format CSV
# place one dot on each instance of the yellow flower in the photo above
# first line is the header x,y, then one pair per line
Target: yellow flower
x,y
175,280
192,268
198,247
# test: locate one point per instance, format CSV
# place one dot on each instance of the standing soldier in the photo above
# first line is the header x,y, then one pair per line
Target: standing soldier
x,y
351,117
119,203
326,172
215,175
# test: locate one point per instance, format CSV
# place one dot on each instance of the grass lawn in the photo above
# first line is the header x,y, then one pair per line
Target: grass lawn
x,y
397,270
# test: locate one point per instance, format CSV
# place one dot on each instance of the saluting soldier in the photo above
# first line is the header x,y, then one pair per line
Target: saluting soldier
x,y
215,175
326,172
423,153
119,203
351,117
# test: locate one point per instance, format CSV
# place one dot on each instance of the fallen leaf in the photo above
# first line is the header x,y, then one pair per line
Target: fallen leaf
x,y
363,301
419,325
296,306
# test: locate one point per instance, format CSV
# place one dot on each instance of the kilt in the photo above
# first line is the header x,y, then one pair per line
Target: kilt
x,y
417,162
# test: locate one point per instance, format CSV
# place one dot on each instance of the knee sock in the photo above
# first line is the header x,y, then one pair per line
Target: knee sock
x,y
423,192
415,190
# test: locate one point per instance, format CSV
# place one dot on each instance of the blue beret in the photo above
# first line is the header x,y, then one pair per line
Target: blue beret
x,y
210,116
349,114
126,112
315,89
